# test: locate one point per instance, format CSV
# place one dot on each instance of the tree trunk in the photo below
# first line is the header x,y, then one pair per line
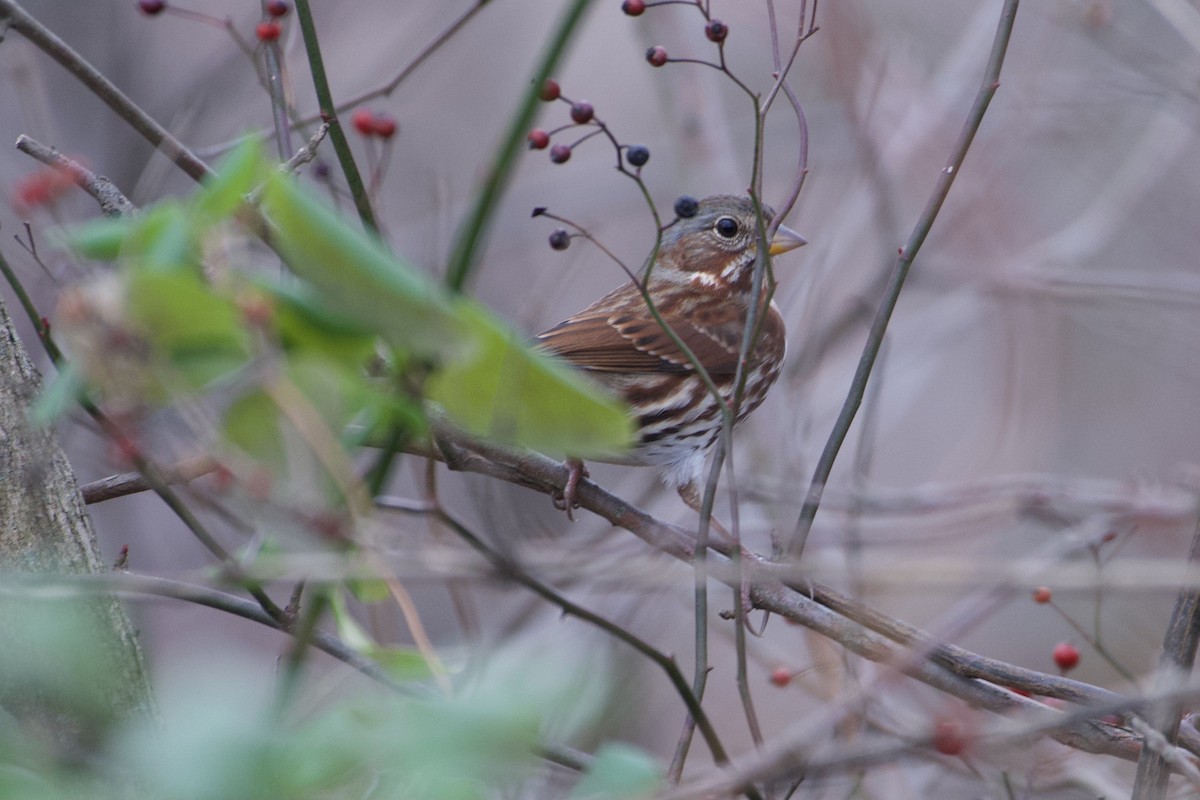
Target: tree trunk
x,y
68,666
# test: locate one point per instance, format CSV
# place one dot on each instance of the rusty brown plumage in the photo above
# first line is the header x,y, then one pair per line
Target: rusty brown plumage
x,y
701,285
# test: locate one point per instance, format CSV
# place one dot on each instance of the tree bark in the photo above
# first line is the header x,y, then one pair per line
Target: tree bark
x,y
67,665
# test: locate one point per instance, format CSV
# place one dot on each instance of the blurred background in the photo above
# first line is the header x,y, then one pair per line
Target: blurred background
x,y
1032,417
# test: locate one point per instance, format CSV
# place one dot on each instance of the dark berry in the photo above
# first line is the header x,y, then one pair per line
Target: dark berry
x,y
267,31
538,139
363,120
637,155
560,239
278,8
582,112
152,7
560,153
686,207
1066,656
384,126
550,90
716,31
657,55
634,8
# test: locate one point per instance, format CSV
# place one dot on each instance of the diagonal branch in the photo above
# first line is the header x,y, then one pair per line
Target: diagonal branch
x,y
12,15
858,386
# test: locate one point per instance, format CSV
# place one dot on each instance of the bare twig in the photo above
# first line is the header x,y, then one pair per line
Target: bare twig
x,y
45,40
991,81
1174,665
113,203
308,152
133,585
948,668
127,483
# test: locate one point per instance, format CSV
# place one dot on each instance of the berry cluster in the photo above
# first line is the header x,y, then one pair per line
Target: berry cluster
x,y
582,113
715,30
630,158
269,30
372,123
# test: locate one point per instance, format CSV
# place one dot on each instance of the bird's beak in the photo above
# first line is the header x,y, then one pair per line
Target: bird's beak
x,y
785,239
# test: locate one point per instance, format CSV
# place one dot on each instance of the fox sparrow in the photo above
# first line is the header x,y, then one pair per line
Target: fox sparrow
x,y
701,284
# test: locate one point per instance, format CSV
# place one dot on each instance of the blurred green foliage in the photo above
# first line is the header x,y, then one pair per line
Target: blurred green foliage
x,y
366,338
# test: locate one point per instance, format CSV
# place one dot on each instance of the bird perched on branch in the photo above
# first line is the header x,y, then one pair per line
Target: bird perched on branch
x,y
701,283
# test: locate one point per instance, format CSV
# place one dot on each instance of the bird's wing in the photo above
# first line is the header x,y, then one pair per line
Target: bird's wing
x,y
618,334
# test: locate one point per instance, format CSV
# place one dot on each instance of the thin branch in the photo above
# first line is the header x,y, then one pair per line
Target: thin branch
x,y
128,584
794,547
127,483
273,69
1174,665
510,569
949,668
45,40
113,202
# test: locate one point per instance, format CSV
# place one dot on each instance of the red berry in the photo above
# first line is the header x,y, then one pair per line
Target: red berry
x,y
549,91
560,239
41,188
781,676
634,8
716,31
949,737
538,139
1042,594
278,8
222,479
363,120
384,126
1066,656
582,112
560,153
657,55
267,31
152,7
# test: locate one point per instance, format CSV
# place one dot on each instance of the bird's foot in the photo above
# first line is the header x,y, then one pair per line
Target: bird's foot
x,y
691,495
564,499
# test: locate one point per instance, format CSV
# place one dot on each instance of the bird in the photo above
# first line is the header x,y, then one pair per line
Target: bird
x,y
701,282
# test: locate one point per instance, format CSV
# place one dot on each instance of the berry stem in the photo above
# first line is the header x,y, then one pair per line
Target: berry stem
x,y
273,67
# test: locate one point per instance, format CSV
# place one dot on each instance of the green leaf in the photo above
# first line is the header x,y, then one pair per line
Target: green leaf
x,y
368,590
619,772
58,397
489,381
165,238
304,322
101,239
251,423
404,664
507,392
243,169
356,276
200,333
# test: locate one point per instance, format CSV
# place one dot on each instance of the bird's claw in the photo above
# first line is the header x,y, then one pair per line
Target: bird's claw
x,y
565,499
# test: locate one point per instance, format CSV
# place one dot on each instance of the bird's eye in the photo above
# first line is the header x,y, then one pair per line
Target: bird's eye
x,y
726,227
